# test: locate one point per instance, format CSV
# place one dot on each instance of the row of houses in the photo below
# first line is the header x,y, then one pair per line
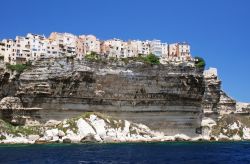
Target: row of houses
x,y
33,46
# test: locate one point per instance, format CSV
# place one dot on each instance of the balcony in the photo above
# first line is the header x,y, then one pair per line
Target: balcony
x,y
27,46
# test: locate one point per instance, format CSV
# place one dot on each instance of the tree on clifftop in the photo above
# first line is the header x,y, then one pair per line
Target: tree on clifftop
x,y
199,62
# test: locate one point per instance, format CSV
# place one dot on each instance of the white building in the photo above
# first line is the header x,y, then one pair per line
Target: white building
x,y
66,42
37,45
52,48
90,44
172,51
6,48
33,46
179,52
132,49
142,47
184,51
2,50
116,48
21,50
156,48
164,50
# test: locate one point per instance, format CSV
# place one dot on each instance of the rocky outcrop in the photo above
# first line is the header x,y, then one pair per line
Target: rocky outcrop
x,y
242,107
90,127
10,103
212,92
11,110
232,127
96,127
226,104
8,84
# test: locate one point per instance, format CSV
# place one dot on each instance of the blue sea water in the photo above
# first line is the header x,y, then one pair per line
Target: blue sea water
x,y
155,153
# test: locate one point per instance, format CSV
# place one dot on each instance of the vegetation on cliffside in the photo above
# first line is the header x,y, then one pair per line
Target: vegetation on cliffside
x,y
93,57
149,59
152,59
18,67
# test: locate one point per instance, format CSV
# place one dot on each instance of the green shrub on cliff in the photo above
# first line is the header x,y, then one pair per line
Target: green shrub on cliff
x,y
93,56
200,62
18,67
152,59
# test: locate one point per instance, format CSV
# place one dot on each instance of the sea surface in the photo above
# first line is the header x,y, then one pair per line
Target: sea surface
x,y
169,152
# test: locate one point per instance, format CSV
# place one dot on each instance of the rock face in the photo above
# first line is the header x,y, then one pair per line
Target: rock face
x,y
226,104
173,103
211,96
89,127
10,103
8,85
242,107
177,100
137,92
232,127
96,127
11,110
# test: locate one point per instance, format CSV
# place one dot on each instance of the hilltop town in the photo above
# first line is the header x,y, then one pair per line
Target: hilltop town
x,y
33,47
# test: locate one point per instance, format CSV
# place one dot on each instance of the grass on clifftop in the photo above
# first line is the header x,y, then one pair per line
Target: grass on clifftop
x,y
149,59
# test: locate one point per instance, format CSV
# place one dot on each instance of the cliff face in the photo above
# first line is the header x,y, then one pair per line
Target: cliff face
x,y
211,96
215,101
164,97
226,103
167,98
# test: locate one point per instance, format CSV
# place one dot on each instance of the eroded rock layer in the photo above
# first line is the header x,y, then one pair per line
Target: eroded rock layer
x,y
164,97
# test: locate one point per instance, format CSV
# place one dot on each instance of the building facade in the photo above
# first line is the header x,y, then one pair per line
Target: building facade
x,y
33,47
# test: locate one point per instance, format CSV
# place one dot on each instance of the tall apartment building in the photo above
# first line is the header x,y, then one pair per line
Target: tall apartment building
x,y
132,49
156,47
140,47
90,44
164,50
79,48
114,48
52,49
66,42
37,46
179,52
6,49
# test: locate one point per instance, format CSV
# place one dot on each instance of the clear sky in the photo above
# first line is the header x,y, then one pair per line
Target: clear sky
x,y
218,30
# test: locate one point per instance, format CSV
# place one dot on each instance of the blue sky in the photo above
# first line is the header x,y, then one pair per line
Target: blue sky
x,y
218,30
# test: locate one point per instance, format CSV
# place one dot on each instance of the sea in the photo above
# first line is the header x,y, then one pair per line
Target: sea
x,y
124,153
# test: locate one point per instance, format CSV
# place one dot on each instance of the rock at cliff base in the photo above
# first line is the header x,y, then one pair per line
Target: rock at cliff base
x,y
88,139
10,103
84,128
66,140
33,137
